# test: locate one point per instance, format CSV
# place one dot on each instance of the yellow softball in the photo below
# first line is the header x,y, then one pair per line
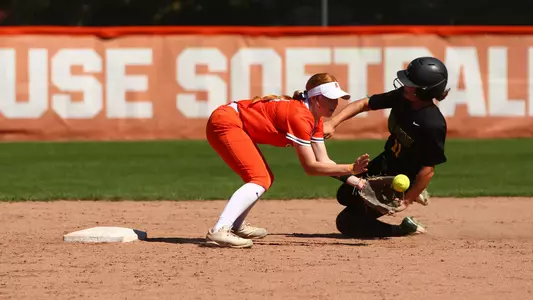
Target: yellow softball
x,y
400,183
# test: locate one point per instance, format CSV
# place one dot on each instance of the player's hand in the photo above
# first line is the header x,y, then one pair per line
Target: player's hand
x,y
329,129
361,163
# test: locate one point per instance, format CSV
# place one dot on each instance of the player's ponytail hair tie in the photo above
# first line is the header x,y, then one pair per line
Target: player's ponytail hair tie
x,y
300,95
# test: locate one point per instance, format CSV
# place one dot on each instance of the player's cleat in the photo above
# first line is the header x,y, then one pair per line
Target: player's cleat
x,y
423,198
225,238
250,232
410,225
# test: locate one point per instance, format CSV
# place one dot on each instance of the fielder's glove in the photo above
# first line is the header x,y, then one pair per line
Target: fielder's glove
x,y
379,194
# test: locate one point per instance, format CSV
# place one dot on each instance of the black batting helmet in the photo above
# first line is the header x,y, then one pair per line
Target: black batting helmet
x,y
427,74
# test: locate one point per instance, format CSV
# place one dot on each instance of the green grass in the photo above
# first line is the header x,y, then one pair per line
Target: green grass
x,y
191,170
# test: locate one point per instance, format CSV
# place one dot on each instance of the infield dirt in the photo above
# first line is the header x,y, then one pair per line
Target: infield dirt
x,y
476,248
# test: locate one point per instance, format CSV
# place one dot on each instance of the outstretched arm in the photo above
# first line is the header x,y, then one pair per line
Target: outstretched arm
x,y
352,180
313,167
375,102
349,111
321,155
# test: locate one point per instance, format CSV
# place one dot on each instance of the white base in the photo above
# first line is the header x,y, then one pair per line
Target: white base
x,y
105,235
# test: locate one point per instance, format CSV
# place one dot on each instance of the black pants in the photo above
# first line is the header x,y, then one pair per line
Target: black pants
x,y
358,220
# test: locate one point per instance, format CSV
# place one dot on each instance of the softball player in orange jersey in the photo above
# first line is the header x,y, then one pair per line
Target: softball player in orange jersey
x,y
235,129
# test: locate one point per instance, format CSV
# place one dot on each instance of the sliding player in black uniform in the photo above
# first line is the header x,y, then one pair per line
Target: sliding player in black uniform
x,y
415,146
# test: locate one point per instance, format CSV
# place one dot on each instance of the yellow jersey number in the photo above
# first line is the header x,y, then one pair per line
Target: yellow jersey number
x,y
396,148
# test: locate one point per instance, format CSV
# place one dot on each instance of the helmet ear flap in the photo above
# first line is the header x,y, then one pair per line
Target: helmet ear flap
x,y
423,94
432,92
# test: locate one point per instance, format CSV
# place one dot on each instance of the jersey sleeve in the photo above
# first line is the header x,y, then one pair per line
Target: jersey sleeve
x,y
433,146
300,128
384,100
318,133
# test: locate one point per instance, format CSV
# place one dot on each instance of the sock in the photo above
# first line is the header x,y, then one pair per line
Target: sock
x,y
240,201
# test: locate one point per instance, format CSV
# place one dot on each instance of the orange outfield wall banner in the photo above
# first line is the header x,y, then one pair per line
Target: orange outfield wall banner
x,y
62,85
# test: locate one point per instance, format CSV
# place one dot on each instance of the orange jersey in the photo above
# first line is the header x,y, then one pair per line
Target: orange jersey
x,y
280,122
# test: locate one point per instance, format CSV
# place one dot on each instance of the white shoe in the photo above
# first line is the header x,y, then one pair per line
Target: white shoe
x,y
250,232
225,238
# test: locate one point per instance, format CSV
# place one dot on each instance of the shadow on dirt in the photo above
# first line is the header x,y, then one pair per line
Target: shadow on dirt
x,y
281,239
176,240
314,235
307,243
328,236
270,240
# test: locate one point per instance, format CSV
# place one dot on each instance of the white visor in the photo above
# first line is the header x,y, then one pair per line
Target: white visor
x,y
331,90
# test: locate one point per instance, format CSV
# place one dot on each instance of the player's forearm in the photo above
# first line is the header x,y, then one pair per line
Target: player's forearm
x,y
328,161
422,180
327,169
354,181
350,111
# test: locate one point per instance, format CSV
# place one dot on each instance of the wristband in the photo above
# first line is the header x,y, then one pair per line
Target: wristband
x,y
352,167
